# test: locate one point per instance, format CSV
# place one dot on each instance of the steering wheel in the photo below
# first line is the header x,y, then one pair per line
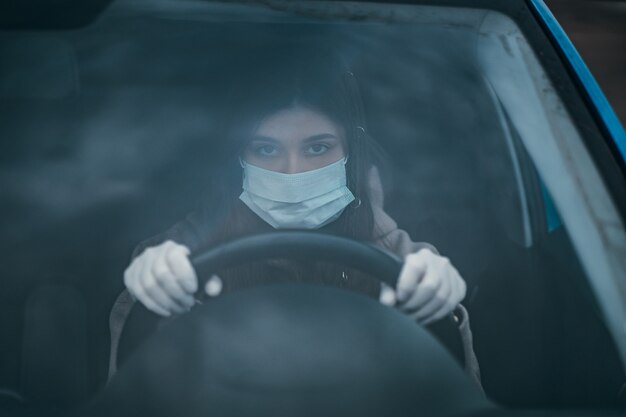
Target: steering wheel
x,y
363,257
290,349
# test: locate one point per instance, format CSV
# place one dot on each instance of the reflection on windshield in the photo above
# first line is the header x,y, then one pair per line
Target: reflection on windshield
x,y
250,120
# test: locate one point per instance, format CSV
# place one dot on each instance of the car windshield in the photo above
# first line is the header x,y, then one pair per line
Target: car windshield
x,y
148,116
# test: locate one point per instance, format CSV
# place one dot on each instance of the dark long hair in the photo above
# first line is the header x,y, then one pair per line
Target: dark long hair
x,y
313,79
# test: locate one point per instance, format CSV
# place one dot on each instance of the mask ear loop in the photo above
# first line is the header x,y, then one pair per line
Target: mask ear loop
x,y
243,169
357,200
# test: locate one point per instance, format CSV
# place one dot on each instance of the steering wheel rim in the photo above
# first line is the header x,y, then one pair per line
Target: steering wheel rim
x,y
377,262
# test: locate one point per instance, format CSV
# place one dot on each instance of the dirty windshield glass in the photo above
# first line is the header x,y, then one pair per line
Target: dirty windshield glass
x,y
199,123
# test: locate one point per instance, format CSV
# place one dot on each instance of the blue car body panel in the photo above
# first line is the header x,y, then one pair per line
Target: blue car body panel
x,y
604,110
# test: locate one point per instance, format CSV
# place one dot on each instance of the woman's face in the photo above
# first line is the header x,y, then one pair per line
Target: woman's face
x,y
295,140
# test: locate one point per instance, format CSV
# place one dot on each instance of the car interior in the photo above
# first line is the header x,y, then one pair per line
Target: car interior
x,y
108,139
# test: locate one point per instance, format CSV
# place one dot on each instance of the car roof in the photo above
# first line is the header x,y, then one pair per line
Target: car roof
x,y
66,14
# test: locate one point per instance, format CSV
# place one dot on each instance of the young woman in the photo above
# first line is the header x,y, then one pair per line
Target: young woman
x,y
297,155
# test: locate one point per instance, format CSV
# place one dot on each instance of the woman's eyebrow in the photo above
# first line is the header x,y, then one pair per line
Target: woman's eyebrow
x,y
264,139
306,140
320,137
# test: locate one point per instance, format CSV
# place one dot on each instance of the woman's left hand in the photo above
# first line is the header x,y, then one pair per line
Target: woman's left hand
x,y
428,289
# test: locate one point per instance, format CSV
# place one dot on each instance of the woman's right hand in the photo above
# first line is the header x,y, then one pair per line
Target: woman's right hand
x,y
163,279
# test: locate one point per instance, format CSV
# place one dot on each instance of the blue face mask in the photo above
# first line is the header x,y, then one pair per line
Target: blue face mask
x,y
306,200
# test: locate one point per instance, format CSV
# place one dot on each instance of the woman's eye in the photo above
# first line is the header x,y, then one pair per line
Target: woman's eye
x,y
317,149
267,150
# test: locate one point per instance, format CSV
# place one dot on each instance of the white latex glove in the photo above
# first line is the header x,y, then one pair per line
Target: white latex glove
x,y
428,289
163,279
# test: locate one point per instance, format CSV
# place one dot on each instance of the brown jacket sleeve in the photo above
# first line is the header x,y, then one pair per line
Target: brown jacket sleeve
x,y
189,232
121,308
390,237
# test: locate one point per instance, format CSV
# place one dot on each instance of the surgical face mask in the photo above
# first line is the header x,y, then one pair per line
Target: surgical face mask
x,y
306,200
